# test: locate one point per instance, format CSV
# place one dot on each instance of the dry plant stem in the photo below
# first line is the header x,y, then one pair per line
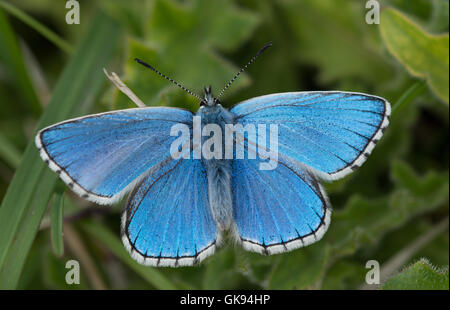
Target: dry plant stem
x,y
400,259
76,246
113,77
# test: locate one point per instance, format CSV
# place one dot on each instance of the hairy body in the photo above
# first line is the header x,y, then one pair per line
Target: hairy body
x,y
218,170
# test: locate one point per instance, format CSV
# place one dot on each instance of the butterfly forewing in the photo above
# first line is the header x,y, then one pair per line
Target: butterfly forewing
x,y
102,156
331,132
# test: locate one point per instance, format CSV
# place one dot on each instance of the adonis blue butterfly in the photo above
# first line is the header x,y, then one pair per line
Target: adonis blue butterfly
x,y
180,206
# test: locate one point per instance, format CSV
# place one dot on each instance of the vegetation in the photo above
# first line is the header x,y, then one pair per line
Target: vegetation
x,y
394,209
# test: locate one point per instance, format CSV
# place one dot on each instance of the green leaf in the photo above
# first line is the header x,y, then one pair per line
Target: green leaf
x,y
11,59
333,36
56,224
420,276
365,221
288,275
182,41
424,55
219,270
430,188
226,270
30,190
110,240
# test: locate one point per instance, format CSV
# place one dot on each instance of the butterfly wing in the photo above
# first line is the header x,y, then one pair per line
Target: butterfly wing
x,y
277,210
331,132
167,221
102,156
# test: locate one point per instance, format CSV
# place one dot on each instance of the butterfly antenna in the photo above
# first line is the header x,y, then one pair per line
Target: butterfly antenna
x,y
244,68
168,78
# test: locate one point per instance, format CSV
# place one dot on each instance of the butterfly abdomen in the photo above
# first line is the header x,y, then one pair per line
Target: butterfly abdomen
x,y
219,191
218,170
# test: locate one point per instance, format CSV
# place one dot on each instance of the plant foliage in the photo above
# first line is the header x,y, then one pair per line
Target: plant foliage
x,y
399,195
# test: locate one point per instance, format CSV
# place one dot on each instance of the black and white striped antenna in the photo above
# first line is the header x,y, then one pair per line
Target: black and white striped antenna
x,y
244,68
226,86
168,78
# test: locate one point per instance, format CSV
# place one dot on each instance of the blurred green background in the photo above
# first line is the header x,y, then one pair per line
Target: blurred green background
x,y
393,210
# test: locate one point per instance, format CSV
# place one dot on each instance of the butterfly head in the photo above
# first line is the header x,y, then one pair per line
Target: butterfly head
x,y
209,99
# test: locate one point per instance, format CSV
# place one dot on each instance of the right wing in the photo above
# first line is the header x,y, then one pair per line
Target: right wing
x,y
332,132
277,210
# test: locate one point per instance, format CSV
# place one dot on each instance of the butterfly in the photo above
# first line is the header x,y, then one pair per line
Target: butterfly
x,y
179,207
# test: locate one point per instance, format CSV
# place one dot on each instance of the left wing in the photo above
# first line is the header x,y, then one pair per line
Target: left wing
x,y
101,156
331,132
167,220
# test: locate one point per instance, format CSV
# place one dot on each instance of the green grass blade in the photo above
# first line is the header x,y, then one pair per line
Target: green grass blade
x,y
408,96
30,21
12,61
110,240
56,224
9,153
29,192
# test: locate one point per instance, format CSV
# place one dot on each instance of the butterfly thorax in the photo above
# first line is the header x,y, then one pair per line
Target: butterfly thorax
x,y
218,170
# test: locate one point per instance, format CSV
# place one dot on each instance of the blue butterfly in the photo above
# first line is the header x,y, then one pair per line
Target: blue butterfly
x,y
179,208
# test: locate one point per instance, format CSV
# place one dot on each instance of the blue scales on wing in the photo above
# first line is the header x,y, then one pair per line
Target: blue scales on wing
x,y
167,221
331,132
102,156
277,210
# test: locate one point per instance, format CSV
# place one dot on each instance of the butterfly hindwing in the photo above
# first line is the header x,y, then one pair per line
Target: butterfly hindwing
x,y
102,156
331,132
167,221
277,210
